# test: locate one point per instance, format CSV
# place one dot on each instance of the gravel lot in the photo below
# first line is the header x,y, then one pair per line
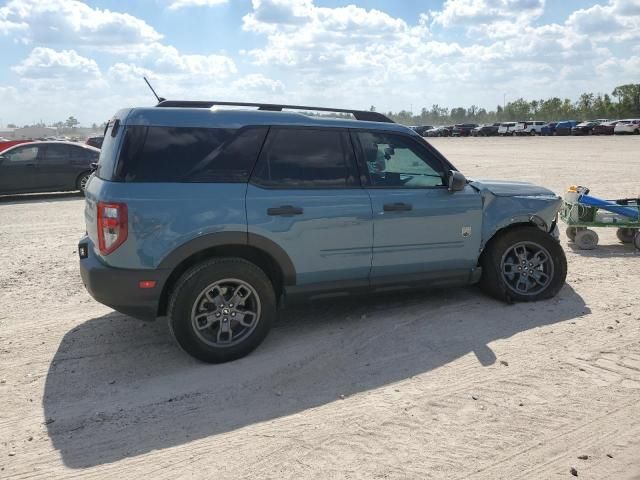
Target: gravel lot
x,y
445,384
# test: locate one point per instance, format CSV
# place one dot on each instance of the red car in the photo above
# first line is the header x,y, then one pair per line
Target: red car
x,y
605,128
11,143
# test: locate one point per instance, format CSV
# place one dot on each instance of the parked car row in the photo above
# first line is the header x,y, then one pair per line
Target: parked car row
x,y
534,127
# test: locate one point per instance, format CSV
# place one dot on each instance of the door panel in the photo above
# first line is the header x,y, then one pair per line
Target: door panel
x,y
419,226
435,231
304,196
18,169
329,239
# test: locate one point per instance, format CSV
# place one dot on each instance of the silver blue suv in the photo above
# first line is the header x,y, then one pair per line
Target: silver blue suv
x,y
212,217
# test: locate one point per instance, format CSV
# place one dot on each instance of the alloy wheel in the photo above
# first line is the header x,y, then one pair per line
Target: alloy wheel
x,y
527,268
226,312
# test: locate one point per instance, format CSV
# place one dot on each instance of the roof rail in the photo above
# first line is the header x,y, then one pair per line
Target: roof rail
x,y
358,114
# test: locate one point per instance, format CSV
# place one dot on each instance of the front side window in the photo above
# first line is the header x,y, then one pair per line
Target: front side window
x,y
396,161
305,158
185,154
22,155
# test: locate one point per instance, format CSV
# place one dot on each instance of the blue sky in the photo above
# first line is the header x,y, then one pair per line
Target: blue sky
x,y
67,57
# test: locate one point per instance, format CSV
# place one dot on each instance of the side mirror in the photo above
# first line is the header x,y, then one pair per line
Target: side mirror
x,y
2,159
456,181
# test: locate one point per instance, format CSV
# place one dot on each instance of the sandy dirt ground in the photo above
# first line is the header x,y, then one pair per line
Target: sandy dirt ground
x,y
443,384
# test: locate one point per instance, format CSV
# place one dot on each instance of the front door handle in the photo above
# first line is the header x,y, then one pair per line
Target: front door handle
x,y
285,211
397,207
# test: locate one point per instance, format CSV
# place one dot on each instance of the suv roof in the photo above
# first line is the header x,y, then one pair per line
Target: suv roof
x,y
234,118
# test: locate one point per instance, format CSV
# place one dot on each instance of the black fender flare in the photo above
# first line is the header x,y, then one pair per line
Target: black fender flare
x,y
222,239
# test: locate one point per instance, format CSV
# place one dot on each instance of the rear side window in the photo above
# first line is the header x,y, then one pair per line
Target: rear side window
x,y
184,154
79,154
306,158
56,154
107,159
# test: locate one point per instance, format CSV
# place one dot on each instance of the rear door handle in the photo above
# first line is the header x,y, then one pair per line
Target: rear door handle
x,y
397,207
285,211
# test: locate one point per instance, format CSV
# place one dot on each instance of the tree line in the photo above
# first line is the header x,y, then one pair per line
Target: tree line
x,y
70,124
623,102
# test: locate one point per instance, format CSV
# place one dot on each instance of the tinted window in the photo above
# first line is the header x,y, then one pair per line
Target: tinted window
x,y
56,154
95,141
107,159
306,158
80,154
22,154
178,154
397,161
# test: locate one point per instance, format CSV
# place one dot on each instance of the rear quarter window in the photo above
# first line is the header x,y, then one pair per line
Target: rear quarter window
x,y
108,154
188,155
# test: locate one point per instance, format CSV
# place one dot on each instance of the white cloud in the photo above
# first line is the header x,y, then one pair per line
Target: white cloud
x,y
178,4
71,22
624,70
626,7
473,12
619,20
48,64
257,82
314,38
167,59
348,55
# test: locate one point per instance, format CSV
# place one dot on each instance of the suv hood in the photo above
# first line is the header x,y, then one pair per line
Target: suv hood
x,y
501,188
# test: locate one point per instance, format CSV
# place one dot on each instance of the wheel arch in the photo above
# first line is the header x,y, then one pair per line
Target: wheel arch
x,y
259,250
528,221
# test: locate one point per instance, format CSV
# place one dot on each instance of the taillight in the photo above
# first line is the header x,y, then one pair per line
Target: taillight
x,y
112,226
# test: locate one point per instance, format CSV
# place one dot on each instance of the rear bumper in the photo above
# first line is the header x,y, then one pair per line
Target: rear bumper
x,y
118,288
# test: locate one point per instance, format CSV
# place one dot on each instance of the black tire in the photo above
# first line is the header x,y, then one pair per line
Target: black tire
x,y
626,235
187,292
587,239
493,281
572,232
82,180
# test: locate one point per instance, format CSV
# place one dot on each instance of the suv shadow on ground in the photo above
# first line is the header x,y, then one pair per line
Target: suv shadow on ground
x,y
120,388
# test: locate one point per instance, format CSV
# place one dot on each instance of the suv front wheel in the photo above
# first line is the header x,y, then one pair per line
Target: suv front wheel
x,y
222,309
523,264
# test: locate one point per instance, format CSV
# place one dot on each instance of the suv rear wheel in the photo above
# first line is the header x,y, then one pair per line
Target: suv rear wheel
x,y
523,264
222,309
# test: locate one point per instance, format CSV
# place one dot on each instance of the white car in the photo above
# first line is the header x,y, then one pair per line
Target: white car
x,y
629,125
533,127
506,128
